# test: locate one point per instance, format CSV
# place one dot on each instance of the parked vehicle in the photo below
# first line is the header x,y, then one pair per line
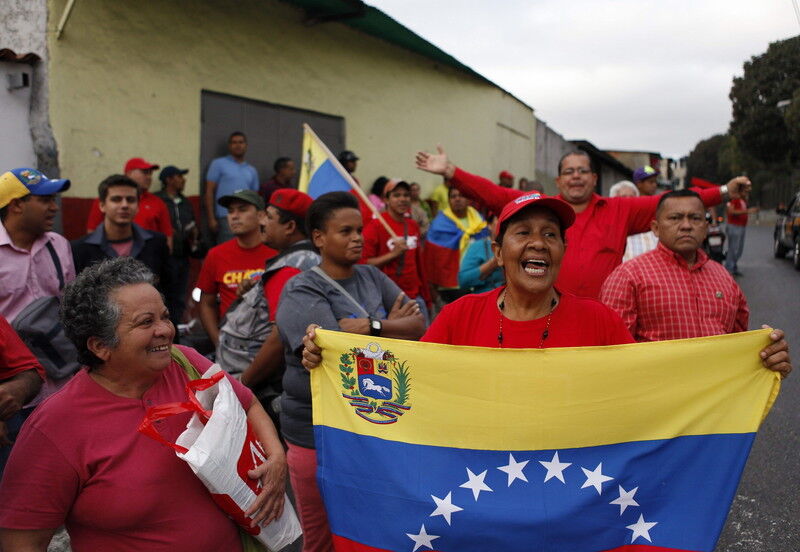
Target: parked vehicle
x,y
787,231
715,240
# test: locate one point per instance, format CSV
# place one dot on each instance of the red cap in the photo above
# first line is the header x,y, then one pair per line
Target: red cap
x,y
561,208
292,201
506,174
138,163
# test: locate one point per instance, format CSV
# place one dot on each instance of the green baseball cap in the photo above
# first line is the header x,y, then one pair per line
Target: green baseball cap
x,y
248,196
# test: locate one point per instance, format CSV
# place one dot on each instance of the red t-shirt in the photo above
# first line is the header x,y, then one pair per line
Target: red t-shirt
x,y
738,220
274,286
152,215
15,357
80,461
597,239
474,320
228,264
376,244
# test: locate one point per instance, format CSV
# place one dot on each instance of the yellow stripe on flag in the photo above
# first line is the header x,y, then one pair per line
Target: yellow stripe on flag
x,y
563,398
313,157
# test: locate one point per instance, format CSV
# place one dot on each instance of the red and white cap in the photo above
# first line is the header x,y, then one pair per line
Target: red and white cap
x,y
561,208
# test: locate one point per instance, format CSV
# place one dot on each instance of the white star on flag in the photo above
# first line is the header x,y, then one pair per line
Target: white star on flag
x,y
423,539
595,478
555,468
625,499
445,507
514,469
641,529
475,483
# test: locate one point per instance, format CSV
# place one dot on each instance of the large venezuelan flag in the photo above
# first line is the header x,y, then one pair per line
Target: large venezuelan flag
x,y
320,172
460,449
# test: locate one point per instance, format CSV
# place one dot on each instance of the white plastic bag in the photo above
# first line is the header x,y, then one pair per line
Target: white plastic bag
x,y
220,447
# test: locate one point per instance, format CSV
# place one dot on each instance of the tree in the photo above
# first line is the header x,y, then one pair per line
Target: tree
x,y
703,162
762,130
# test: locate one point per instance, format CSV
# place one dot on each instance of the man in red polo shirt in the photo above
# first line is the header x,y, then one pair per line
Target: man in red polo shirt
x,y
230,262
596,242
152,214
399,258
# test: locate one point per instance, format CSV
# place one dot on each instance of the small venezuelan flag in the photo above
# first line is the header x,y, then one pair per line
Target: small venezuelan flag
x,y
463,449
320,172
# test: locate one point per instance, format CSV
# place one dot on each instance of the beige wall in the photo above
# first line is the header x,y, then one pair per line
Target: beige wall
x,y
126,79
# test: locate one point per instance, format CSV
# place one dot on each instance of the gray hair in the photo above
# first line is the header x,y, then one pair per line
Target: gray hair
x,y
615,189
87,309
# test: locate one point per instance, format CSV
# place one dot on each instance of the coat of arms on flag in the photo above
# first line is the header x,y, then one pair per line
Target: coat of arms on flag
x,y
379,389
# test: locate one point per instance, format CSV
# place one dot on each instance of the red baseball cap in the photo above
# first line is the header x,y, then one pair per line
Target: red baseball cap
x,y
561,208
506,174
292,201
138,163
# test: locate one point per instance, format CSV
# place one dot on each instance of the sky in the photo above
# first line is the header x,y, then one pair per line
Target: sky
x,y
624,74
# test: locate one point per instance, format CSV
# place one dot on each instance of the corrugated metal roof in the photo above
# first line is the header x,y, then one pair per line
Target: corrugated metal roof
x,y
9,55
372,21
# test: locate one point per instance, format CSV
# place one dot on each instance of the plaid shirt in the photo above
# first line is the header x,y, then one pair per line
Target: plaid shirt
x,y
660,297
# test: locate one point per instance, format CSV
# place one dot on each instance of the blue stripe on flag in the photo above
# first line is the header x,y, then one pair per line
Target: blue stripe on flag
x,y
377,491
327,179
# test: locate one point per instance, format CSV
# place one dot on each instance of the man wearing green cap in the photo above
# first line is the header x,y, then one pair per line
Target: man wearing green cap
x,y
233,261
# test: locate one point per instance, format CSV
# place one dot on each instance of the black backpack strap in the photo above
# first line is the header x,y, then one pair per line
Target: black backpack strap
x,y
56,262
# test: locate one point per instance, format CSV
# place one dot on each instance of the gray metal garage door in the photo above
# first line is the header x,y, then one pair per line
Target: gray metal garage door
x,y
272,130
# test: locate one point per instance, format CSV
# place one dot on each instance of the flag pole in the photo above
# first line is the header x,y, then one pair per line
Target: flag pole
x,y
353,184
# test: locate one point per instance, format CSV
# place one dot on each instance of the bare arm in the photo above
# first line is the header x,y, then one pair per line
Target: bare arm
x,y
404,321
400,247
209,317
211,189
268,360
17,390
474,187
268,505
25,540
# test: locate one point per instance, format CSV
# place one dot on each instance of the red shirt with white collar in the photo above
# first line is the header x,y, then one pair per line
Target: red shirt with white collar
x,y
659,297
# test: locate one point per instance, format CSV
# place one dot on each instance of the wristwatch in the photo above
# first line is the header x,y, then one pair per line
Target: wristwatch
x,y
375,327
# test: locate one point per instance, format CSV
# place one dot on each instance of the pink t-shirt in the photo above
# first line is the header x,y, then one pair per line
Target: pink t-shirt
x,y
122,247
80,460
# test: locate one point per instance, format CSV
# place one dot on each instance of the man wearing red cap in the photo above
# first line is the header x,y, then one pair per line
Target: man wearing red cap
x,y
152,214
506,179
284,231
598,237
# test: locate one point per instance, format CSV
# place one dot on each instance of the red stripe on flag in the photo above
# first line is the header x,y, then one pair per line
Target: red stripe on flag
x,y
441,265
342,544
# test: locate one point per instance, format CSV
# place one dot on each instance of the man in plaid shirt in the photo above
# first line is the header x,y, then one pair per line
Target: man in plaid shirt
x,y
675,291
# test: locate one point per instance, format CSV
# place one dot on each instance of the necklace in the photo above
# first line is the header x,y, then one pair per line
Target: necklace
x,y
545,333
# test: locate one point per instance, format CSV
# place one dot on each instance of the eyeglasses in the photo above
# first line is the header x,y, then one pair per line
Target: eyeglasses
x,y
581,170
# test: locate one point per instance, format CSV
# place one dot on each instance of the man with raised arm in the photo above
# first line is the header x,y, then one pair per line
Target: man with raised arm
x,y
596,242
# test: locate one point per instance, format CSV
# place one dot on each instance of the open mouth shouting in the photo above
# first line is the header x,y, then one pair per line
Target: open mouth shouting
x,y
535,267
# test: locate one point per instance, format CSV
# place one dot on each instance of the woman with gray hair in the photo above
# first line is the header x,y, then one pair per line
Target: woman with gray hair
x,y
637,243
79,459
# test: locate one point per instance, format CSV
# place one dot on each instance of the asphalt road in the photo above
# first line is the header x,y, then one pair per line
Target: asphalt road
x,y
765,515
